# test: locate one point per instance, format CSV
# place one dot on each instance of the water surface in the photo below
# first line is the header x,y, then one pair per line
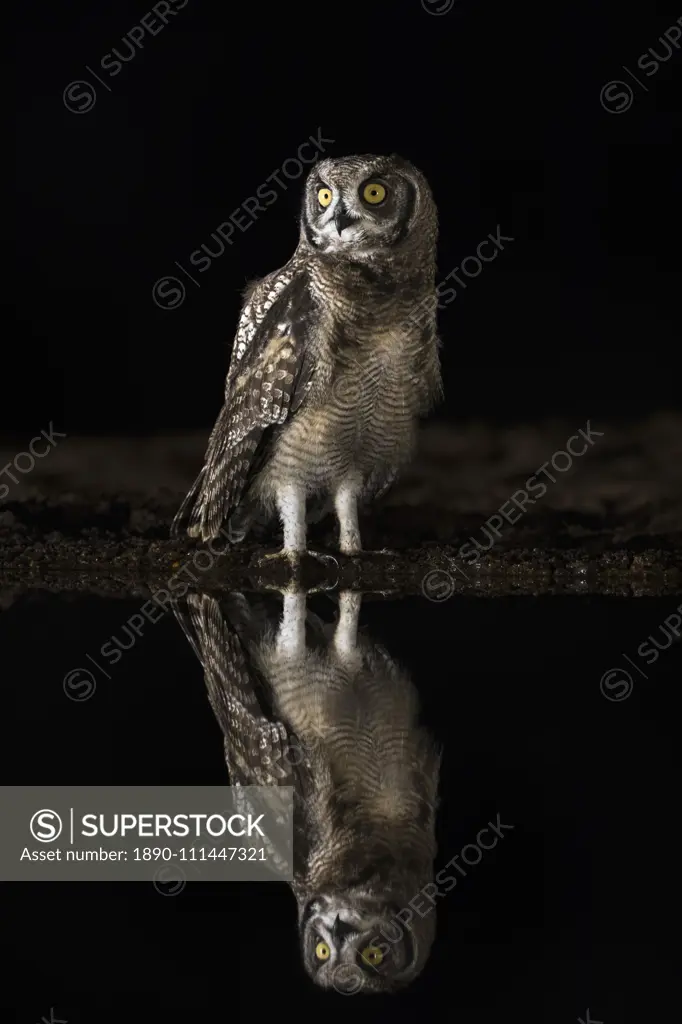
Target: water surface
x,y
559,917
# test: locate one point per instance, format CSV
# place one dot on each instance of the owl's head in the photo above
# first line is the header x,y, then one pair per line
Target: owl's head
x,y
367,206
362,944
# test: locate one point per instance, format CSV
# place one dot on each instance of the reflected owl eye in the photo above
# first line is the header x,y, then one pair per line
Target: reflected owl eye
x,y
372,955
322,951
324,196
374,193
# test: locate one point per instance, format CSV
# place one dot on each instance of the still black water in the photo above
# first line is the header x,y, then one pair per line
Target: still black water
x,y
567,914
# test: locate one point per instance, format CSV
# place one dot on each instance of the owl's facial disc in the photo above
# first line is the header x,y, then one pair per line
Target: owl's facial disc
x,y
357,212
344,944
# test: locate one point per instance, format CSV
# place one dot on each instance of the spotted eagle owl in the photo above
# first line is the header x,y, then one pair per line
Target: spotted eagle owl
x,y
336,357
321,708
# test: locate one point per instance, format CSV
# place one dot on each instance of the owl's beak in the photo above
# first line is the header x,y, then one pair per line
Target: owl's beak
x,y
340,928
341,218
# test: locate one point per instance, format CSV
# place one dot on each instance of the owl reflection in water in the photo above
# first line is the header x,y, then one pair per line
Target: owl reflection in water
x,y
322,709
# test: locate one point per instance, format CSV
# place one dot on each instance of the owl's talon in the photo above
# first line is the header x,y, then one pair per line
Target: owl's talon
x,y
324,559
272,560
291,558
295,559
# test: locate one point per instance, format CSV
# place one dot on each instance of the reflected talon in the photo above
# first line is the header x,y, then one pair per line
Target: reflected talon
x,y
292,587
328,561
323,588
294,560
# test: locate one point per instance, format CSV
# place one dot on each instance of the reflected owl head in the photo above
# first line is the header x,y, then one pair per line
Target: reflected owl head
x,y
367,206
354,944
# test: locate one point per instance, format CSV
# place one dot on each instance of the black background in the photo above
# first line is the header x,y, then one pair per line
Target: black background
x,y
499,105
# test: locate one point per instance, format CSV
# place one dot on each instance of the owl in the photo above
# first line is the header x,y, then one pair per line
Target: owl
x,y
336,357
323,709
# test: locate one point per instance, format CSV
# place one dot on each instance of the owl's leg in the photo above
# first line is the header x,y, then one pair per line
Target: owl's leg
x,y
346,504
290,501
291,508
346,633
291,505
291,635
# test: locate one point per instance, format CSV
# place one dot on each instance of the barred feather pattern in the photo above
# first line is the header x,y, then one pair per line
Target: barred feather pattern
x,y
337,719
335,358
260,392
257,748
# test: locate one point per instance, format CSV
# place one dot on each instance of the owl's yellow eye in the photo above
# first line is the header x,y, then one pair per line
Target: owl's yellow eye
x,y
372,955
374,193
322,951
324,196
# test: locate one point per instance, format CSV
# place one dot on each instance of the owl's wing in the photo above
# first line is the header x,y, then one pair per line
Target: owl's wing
x,y
269,376
259,748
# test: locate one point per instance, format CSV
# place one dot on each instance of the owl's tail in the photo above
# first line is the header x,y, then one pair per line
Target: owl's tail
x,y
215,495
180,522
